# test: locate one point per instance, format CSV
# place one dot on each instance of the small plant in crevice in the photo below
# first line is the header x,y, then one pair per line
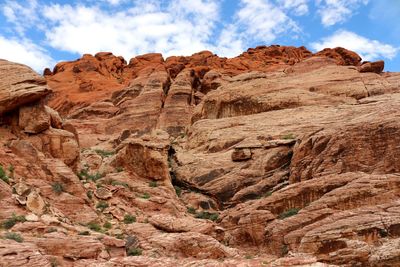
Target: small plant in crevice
x,y
89,194
116,183
85,175
51,230
104,153
10,222
146,196
284,250
288,136
14,236
57,187
128,219
102,205
178,190
134,252
107,225
3,175
54,262
267,194
289,213
119,236
383,233
207,215
84,233
11,170
153,184
191,210
119,169
94,226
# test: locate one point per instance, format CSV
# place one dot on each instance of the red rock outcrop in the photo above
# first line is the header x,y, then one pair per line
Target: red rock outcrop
x,y
278,157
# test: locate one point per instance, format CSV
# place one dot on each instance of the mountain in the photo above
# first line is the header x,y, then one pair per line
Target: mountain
x,y
277,157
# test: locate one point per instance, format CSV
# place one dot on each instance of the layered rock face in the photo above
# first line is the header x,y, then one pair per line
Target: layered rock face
x,y
278,157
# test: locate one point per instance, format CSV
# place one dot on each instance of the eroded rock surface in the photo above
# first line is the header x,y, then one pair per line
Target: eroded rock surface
x,y
278,157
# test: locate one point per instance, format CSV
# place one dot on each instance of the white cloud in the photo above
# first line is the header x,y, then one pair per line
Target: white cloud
x,y
229,43
337,11
25,52
300,7
183,27
255,21
114,2
21,16
367,48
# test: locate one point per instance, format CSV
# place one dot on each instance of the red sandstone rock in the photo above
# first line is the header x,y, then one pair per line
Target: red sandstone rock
x,y
277,157
376,66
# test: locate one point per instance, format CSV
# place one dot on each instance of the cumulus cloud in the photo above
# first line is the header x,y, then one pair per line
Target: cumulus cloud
x,y
22,16
183,27
256,21
337,11
300,7
367,48
26,52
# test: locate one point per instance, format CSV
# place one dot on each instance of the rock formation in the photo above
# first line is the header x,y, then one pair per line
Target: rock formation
x,y
278,157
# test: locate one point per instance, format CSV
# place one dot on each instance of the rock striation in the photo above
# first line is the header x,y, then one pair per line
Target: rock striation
x,y
277,157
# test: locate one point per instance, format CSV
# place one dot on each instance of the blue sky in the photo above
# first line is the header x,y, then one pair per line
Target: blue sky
x,y
41,33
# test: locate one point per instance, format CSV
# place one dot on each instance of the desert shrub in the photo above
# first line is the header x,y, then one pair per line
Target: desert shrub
x,y
102,205
10,222
134,252
51,230
11,170
84,174
94,226
104,153
284,250
57,187
288,136
288,213
3,175
107,225
14,236
207,215
128,219
267,194
96,176
119,169
191,210
54,262
153,184
115,183
84,233
178,190
89,194
146,196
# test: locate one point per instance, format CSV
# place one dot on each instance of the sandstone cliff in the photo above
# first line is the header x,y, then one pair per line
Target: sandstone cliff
x,y
278,157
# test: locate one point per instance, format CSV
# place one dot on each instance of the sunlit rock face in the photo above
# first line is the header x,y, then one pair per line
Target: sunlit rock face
x,y
277,157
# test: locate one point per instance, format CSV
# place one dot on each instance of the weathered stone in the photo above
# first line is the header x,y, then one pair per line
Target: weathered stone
x,y
19,85
35,203
34,118
241,154
376,67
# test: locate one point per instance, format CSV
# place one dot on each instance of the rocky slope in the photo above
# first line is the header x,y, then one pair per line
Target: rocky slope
x,y
278,157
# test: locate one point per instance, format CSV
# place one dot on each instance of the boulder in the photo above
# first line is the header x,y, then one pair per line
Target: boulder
x,y
34,118
147,157
60,144
19,86
376,67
